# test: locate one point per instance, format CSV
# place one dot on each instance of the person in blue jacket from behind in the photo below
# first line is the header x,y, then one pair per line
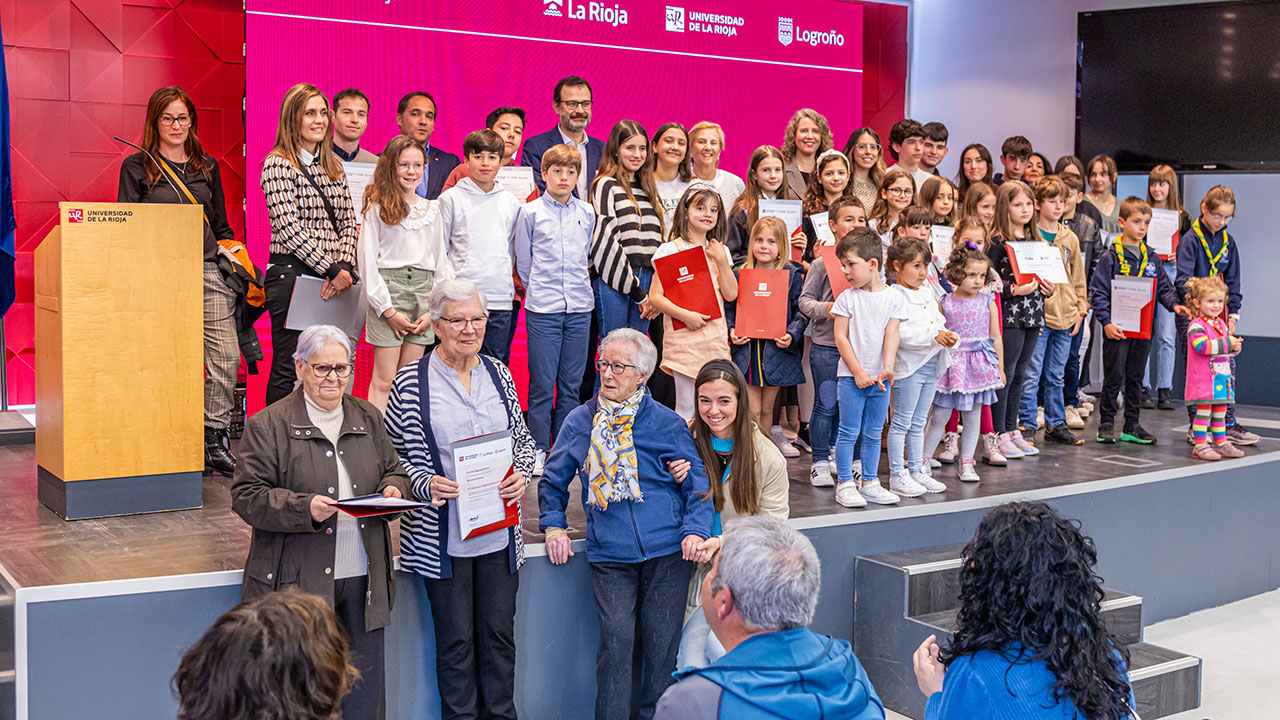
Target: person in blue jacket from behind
x,y
1029,643
759,599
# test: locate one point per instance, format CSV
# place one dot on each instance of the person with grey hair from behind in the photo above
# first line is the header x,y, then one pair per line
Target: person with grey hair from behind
x,y
759,599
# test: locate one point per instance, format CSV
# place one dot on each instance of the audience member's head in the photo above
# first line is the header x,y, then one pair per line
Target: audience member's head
x,y
765,578
281,656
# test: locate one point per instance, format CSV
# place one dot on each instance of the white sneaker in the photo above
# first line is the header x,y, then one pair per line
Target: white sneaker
x,y
779,439
857,471
903,484
874,492
934,464
968,471
928,482
847,495
1074,421
1085,410
831,465
950,448
1026,447
820,476
1039,418
539,462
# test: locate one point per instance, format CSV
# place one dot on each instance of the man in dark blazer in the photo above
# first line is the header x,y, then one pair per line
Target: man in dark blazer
x,y
416,116
572,102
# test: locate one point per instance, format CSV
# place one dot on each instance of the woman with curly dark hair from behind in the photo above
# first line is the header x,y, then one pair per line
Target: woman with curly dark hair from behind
x,y
1029,640
281,656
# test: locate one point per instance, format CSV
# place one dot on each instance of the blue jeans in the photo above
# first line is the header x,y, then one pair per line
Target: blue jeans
x,y
824,363
912,399
861,409
1031,384
615,310
1071,376
498,332
1163,332
1050,359
557,357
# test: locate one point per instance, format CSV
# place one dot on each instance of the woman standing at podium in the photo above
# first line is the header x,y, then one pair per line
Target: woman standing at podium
x,y
177,170
313,226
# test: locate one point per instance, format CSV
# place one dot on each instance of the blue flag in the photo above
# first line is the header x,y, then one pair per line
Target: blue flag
x,y
8,223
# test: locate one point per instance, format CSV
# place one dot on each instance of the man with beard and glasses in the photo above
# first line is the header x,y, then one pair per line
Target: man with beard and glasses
x,y
572,102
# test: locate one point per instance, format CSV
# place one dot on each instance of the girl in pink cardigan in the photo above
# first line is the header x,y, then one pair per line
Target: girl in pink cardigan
x,y
1210,343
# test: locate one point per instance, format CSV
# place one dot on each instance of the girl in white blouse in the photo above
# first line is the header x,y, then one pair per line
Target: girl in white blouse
x,y
401,256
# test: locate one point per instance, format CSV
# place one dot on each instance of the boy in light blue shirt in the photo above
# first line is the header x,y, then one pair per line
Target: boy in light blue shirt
x,y
552,246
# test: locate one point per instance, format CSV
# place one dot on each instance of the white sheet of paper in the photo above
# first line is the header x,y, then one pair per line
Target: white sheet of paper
x,y
479,466
1129,295
517,180
306,308
788,210
1040,259
359,175
822,228
941,238
1164,225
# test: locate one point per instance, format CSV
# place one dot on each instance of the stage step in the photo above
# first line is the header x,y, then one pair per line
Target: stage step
x,y
903,597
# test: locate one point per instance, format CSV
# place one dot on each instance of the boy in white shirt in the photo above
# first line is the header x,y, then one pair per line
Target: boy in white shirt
x,y
479,219
866,333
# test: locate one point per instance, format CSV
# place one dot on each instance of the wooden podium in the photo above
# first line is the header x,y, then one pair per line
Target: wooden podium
x,y
119,360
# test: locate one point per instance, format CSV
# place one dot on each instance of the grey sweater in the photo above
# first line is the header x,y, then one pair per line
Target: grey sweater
x,y
814,297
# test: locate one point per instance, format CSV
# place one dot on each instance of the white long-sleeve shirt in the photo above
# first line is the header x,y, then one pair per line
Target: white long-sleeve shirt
x,y
478,229
917,334
416,242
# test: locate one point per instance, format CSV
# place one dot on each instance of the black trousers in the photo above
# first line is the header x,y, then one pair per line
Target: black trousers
x,y
474,614
278,289
368,700
1122,364
646,598
1019,346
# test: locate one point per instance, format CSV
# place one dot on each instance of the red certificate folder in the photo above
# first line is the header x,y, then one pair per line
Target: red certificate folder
x,y
376,504
511,519
835,273
1148,312
686,281
762,303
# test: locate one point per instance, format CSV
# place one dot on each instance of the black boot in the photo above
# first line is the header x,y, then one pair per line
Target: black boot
x,y
1148,403
217,455
1163,401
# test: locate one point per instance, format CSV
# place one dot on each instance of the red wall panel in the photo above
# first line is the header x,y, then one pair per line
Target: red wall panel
x,y
80,71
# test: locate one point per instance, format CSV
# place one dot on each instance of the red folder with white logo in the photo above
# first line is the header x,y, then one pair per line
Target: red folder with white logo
x,y
835,273
762,303
686,281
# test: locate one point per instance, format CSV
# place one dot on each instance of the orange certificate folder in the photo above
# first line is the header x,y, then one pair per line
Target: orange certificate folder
x,y
686,281
762,303
835,273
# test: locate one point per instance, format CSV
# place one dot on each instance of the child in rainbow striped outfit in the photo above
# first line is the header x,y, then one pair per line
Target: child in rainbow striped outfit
x,y
1210,344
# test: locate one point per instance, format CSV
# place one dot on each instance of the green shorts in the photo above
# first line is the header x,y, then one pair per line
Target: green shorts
x,y
410,288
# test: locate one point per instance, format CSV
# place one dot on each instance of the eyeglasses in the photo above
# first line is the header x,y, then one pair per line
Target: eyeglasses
x,y
322,371
180,121
1224,220
460,324
576,104
615,368
864,147
410,166
900,192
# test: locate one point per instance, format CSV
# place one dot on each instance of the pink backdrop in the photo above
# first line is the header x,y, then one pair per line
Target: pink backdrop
x,y
746,64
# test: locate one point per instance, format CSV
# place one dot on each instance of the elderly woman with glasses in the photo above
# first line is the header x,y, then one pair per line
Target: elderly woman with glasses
x,y
454,393
299,457
645,530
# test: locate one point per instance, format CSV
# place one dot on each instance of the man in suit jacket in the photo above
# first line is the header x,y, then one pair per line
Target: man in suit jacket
x,y
416,116
572,102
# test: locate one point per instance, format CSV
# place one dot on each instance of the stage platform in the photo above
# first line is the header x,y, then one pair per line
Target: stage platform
x,y
108,605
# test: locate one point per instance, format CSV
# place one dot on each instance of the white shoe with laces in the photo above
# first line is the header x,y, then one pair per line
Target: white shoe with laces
x,y
788,450
928,482
539,462
847,495
874,492
903,484
820,476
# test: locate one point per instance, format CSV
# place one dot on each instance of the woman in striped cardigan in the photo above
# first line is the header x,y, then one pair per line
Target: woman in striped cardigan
x,y
452,394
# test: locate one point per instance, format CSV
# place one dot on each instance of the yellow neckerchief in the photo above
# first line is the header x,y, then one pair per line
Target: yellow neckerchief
x,y
1204,243
1124,262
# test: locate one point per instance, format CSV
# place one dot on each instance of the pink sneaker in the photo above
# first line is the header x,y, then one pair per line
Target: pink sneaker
x,y
1228,450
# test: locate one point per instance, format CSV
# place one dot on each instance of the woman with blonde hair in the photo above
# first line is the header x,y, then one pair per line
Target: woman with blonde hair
x,y
808,136
313,226
706,143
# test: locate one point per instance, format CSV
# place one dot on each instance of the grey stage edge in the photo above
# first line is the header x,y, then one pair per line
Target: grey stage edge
x,y
1183,539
